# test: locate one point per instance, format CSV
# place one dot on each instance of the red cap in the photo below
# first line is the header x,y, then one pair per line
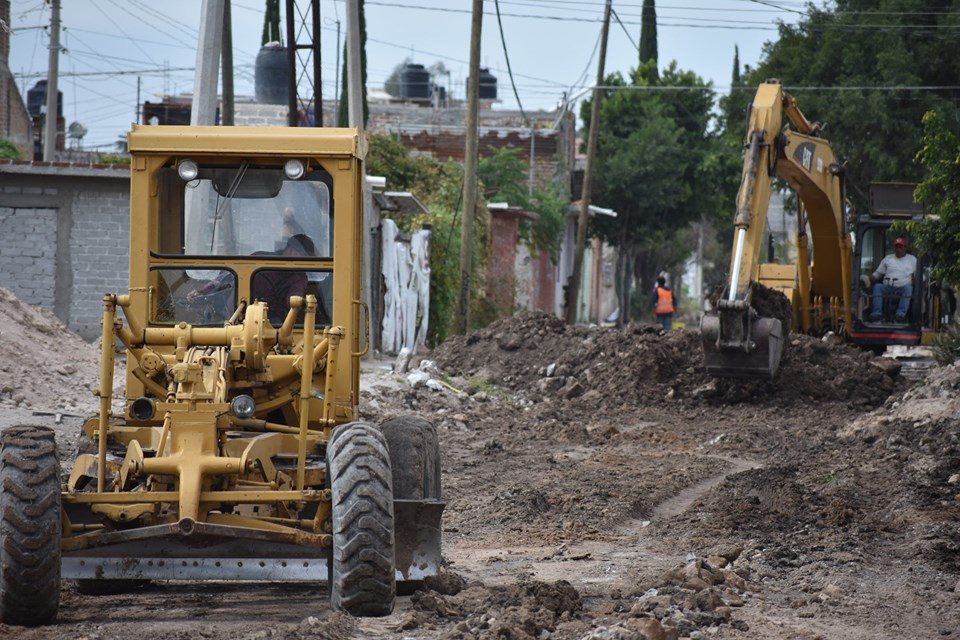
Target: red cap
x,y
900,242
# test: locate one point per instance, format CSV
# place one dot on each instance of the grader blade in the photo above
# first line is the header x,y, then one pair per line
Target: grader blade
x,y
417,526
739,344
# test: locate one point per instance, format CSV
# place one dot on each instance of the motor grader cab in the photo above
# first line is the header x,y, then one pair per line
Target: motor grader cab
x,y
737,340
931,305
238,454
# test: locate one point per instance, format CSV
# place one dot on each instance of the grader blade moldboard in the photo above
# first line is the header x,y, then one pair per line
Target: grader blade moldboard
x,y
754,355
417,534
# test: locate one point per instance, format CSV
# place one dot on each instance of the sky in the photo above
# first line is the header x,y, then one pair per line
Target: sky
x,y
551,45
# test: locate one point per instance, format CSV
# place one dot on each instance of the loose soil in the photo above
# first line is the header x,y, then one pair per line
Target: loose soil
x,y
600,485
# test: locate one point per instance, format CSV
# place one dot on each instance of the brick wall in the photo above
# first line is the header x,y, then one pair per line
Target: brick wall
x,y
28,243
64,237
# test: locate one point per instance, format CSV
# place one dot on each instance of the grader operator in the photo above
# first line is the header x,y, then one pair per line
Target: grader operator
x,y
238,454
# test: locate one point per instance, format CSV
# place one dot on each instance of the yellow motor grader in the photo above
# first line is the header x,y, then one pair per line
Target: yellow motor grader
x,y
238,454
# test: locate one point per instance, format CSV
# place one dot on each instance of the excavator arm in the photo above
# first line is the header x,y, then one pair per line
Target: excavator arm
x,y
738,342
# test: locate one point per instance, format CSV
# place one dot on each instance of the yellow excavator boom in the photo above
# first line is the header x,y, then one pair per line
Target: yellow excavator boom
x,y
738,342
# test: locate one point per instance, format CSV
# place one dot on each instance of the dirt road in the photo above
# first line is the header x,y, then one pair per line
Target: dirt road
x,y
600,486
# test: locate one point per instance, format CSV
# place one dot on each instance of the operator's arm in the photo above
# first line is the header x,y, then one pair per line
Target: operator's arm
x,y
880,272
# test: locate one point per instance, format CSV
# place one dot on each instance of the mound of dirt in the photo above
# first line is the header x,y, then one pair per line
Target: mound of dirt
x,y
43,364
641,364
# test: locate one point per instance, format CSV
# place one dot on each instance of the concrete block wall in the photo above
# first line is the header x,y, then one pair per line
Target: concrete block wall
x,y
64,237
28,248
99,250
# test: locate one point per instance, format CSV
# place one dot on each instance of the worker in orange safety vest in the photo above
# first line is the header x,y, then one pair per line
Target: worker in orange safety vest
x,y
664,303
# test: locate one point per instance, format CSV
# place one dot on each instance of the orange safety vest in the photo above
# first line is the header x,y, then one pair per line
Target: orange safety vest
x,y
664,301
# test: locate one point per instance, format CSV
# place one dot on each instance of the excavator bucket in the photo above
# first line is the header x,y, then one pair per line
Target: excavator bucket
x,y
737,343
417,534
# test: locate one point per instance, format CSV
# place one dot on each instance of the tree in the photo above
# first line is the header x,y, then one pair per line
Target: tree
x,y
648,32
654,157
939,232
736,65
271,23
343,113
876,129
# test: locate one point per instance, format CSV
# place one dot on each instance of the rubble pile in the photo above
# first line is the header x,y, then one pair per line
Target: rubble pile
x,y
525,610
641,364
43,365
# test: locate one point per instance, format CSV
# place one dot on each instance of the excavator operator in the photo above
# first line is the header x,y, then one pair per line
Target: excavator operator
x,y
894,279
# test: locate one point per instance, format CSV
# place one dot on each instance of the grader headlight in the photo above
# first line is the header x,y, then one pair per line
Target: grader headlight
x,y
242,407
188,170
294,169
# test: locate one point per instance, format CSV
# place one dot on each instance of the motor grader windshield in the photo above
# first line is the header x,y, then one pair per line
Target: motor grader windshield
x,y
242,211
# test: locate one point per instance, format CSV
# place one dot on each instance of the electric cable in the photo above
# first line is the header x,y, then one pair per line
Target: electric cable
x,y
506,56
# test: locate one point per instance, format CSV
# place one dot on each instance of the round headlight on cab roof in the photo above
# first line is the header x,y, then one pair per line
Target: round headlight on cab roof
x,y
188,170
294,169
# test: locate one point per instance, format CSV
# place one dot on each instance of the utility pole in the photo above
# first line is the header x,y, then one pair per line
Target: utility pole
x,y
50,124
573,284
226,115
204,108
136,107
354,74
469,171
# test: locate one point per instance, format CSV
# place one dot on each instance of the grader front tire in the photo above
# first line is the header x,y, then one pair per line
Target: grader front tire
x,y
29,526
362,566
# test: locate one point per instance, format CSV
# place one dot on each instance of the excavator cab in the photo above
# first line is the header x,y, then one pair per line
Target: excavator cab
x,y
929,305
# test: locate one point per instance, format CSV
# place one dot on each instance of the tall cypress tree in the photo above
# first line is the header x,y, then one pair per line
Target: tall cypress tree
x,y
343,113
271,23
648,43
648,32
736,65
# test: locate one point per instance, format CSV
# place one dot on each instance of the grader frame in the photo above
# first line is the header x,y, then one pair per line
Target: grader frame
x,y
238,455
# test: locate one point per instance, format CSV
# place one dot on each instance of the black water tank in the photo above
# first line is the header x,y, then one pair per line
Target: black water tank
x,y
271,75
415,83
37,99
488,85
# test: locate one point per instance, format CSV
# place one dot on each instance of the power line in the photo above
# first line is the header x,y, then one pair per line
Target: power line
x,y
503,41
121,30
622,26
770,4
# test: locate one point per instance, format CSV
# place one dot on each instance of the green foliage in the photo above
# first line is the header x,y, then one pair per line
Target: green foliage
x,y
343,112
438,185
877,131
271,23
113,158
946,348
659,167
8,150
939,233
503,177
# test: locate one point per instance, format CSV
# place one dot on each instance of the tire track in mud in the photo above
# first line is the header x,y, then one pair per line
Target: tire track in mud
x,y
596,566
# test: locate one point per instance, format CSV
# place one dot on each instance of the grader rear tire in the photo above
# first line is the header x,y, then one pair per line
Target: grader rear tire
x,y
414,457
29,526
362,566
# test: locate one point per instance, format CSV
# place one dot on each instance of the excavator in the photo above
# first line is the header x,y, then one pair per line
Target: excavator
x,y
743,337
738,339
